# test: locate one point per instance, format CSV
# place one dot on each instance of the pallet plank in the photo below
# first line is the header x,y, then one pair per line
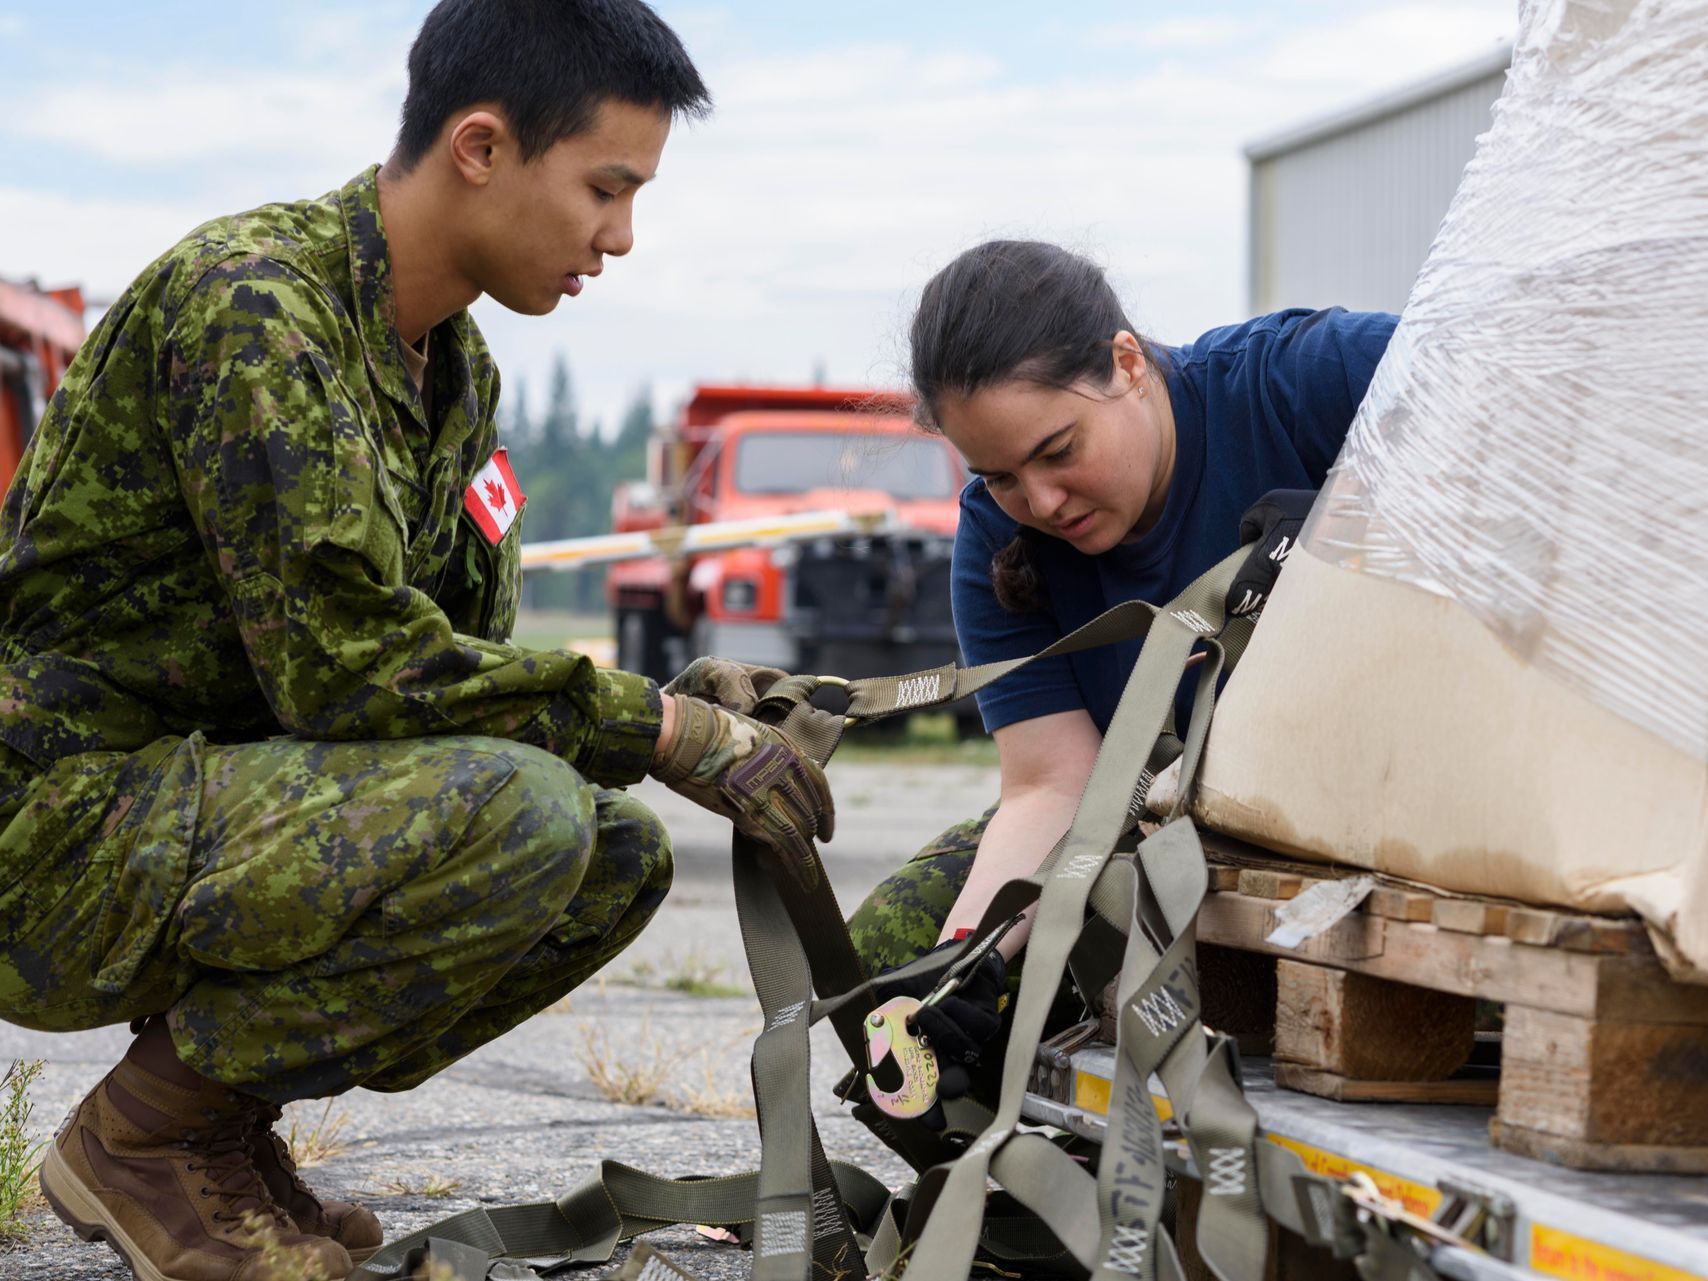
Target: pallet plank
x,y
1400,905
1259,882
1363,1028
1633,987
1470,916
1604,1082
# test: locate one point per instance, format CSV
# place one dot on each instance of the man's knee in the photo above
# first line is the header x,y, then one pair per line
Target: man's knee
x,y
636,842
537,831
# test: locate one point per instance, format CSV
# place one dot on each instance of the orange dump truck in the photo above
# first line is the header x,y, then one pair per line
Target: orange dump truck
x,y
846,604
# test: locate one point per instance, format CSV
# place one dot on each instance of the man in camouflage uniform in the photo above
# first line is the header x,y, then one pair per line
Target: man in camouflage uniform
x,y
273,786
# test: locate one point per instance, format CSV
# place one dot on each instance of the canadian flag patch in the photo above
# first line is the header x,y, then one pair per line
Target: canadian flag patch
x,y
493,498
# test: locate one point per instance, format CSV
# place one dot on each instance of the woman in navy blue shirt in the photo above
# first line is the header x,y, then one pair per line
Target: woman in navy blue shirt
x,y
1106,468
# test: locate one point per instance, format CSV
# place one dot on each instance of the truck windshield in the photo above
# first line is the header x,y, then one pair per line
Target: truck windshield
x,y
795,462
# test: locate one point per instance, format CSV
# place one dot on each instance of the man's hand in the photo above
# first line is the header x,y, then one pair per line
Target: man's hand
x,y
1274,521
737,686
960,1025
751,774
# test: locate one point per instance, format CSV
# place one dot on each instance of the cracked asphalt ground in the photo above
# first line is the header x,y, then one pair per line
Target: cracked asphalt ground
x,y
522,1119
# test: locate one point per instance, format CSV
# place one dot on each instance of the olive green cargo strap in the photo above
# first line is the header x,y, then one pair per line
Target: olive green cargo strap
x,y
808,1216
947,1242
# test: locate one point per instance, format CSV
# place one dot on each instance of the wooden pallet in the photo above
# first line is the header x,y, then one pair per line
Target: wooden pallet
x,y
1603,1058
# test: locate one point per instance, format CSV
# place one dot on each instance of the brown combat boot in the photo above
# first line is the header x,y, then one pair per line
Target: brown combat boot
x,y
350,1224
160,1170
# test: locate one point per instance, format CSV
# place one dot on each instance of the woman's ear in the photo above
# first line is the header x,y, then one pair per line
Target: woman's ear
x,y
1128,365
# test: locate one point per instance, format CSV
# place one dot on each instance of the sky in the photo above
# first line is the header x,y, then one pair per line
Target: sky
x,y
855,148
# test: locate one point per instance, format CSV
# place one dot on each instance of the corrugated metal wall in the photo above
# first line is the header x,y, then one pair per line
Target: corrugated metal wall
x,y
1348,218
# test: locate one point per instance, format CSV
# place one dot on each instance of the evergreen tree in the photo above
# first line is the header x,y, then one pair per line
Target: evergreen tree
x,y
569,475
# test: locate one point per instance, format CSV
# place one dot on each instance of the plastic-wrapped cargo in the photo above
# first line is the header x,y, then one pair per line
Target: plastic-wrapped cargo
x,y
1487,666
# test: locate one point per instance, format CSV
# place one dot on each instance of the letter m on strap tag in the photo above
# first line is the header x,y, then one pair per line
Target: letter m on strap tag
x,y
493,498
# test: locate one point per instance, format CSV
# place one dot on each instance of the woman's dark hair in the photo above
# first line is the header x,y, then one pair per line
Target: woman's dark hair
x,y
1014,309
548,64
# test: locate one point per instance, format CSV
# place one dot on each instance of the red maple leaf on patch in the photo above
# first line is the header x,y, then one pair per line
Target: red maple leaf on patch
x,y
497,497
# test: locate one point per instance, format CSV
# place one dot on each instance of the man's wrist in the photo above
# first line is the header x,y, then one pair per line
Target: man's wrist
x,y
667,729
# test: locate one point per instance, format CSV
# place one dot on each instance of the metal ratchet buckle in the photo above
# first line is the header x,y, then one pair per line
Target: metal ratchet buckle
x,y
902,1071
839,682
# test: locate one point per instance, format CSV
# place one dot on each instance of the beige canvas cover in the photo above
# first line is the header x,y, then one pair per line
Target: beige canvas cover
x,y
1487,666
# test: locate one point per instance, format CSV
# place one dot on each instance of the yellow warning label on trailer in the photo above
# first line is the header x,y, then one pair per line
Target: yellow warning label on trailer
x,y
1419,1198
1560,1254
1091,1094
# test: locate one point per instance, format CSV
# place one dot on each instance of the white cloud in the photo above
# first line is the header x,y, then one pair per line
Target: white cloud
x,y
99,244
1173,34
797,224
179,118
1389,46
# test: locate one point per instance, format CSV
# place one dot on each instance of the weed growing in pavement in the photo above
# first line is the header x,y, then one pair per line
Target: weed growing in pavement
x,y
712,1097
19,1158
278,1263
433,1188
645,1076
320,1143
637,1078
694,975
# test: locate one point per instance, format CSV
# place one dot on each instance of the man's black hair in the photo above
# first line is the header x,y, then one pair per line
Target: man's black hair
x,y
548,64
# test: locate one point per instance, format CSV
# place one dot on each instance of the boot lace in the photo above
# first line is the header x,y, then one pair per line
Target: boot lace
x,y
231,1176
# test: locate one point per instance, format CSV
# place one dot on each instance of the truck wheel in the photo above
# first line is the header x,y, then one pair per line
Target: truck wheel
x,y
640,643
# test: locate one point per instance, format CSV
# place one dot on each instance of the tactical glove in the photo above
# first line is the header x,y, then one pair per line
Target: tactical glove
x,y
961,1024
751,774
737,686
1274,521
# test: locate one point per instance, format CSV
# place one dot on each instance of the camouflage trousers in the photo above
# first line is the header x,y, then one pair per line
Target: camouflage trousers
x,y
316,916
901,919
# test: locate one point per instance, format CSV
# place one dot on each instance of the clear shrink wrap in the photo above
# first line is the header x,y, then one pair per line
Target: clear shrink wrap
x,y
1489,662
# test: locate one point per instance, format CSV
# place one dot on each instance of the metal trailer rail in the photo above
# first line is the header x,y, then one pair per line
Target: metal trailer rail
x,y
1576,1225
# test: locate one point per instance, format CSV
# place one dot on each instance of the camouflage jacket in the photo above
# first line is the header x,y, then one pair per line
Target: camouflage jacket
x,y
235,519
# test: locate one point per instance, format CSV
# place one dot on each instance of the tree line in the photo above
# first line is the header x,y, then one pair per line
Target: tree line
x,y
568,474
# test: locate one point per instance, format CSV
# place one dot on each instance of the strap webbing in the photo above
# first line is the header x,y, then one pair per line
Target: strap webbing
x,y
812,1217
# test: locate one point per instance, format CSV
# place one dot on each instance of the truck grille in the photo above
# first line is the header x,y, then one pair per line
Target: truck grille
x,y
870,606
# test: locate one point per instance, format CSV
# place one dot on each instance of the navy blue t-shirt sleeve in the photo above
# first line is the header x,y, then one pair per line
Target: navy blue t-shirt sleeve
x,y
988,633
1316,371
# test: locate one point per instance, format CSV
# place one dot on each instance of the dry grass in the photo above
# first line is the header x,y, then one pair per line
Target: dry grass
x,y
650,1072
433,1187
321,1142
694,974
636,1078
278,1263
712,1097
19,1157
